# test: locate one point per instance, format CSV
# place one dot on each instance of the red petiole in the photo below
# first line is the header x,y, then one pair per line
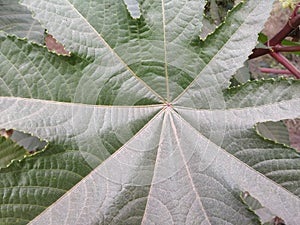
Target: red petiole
x,y
274,44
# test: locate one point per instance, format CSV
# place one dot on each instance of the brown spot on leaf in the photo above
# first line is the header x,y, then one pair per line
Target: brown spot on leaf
x,y
55,46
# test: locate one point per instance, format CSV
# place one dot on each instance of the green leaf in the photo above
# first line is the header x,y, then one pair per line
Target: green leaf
x,y
141,123
30,143
262,38
133,8
9,151
276,131
264,214
242,75
16,19
207,28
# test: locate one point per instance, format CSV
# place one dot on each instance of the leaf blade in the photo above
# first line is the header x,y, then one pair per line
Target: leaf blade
x,y
103,179
10,151
16,20
216,68
118,126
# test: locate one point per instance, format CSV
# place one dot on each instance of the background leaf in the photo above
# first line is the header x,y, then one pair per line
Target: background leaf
x,y
10,151
266,216
133,8
28,142
276,131
16,19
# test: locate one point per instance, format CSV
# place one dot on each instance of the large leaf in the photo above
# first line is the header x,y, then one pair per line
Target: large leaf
x,y
141,123
16,19
276,131
10,151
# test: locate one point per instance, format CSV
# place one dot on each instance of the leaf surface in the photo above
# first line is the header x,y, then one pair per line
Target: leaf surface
x,y
141,123
10,151
276,131
16,19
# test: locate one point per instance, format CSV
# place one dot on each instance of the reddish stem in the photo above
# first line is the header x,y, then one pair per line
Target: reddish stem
x,y
276,71
293,23
281,59
280,48
275,44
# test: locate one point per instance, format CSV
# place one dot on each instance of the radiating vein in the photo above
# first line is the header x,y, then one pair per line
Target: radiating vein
x,y
186,166
114,52
165,49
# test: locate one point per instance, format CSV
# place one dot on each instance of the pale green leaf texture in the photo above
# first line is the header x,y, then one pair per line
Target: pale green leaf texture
x,y
133,8
17,19
9,151
141,123
27,141
276,131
